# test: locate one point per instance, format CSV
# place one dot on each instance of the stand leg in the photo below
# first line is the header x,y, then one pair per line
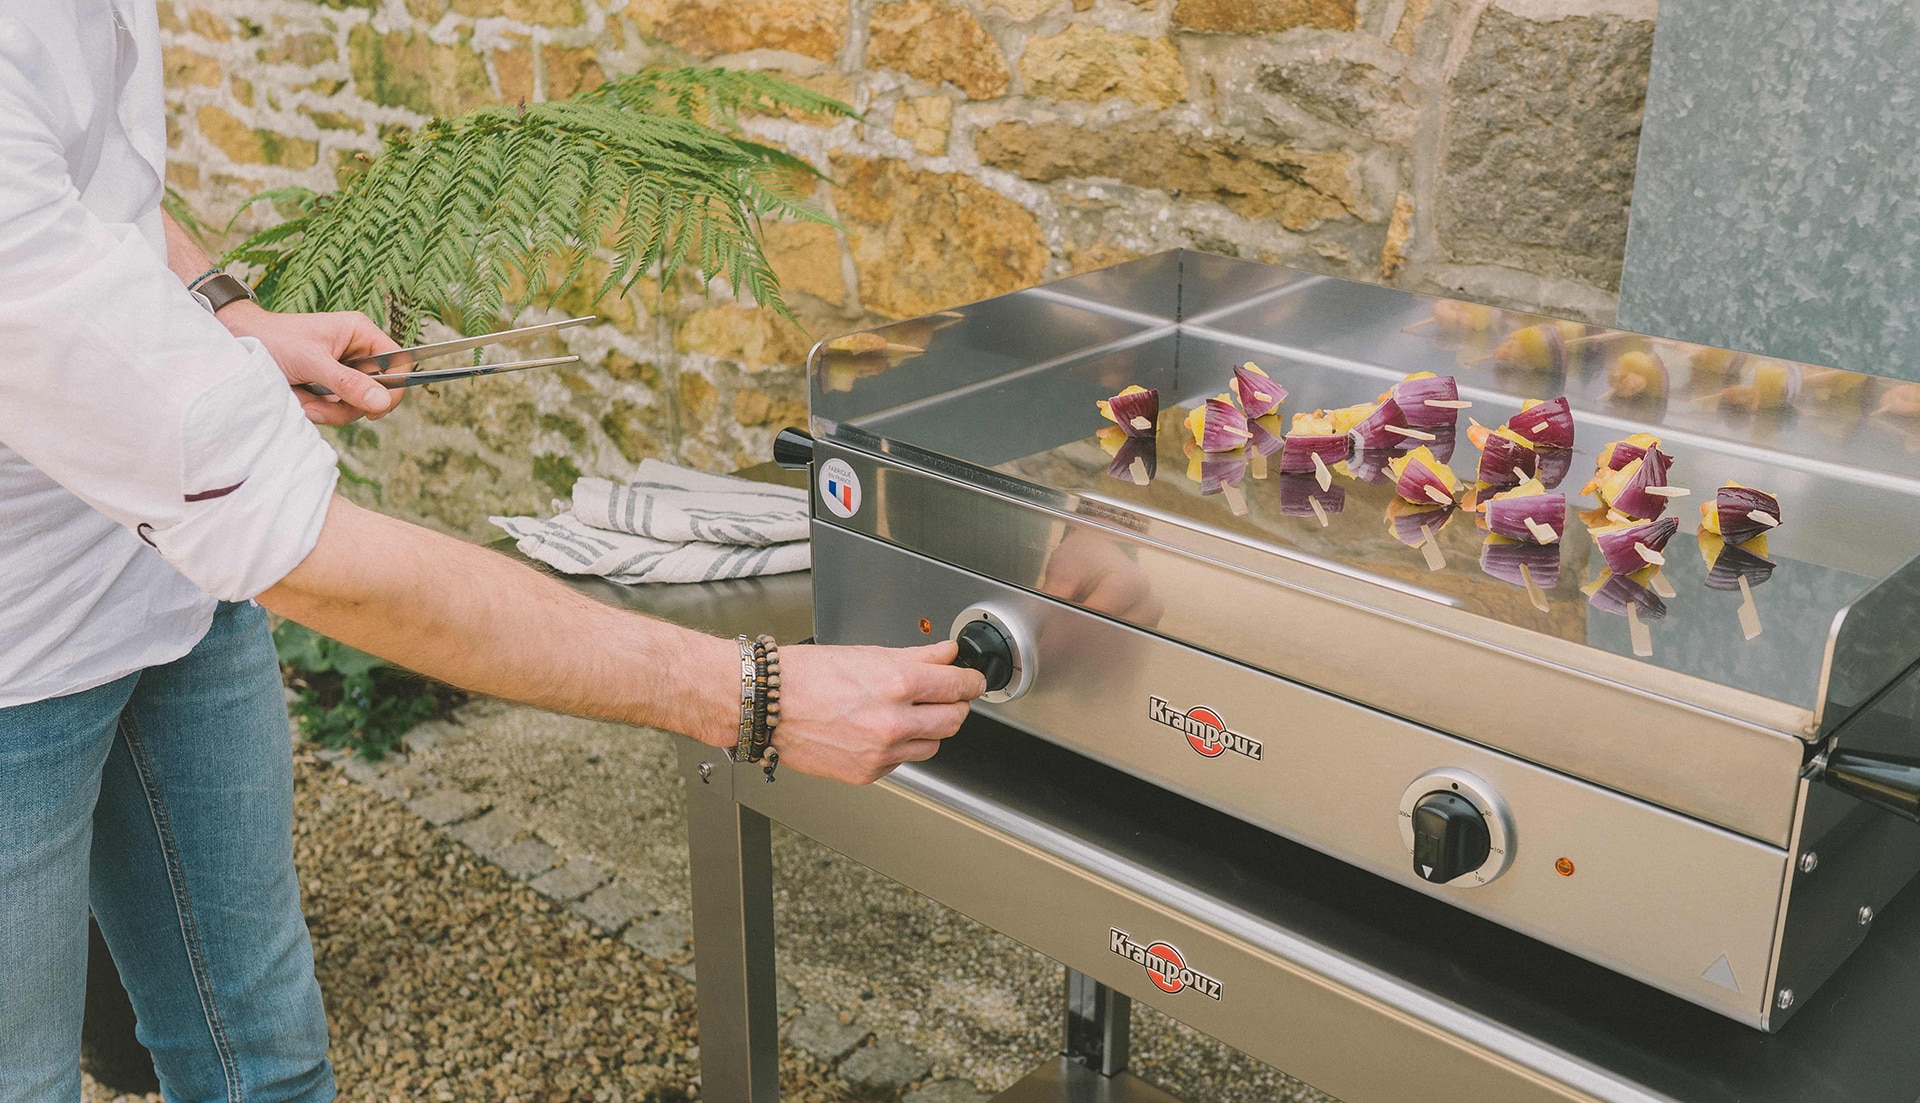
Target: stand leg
x,y
1097,1022
731,862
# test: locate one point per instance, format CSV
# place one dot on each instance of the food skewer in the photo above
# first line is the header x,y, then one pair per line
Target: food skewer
x,y
1320,514
1658,584
1430,548
1642,637
1534,595
1749,612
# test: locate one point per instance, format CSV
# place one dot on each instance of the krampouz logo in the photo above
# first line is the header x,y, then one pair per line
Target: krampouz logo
x,y
1165,967
1203,728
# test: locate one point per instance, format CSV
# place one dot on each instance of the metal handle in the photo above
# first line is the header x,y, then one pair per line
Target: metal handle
x,y
1887,782
793,449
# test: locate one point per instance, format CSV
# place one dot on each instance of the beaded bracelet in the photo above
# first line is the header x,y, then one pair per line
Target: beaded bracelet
x,y
767,704
749,669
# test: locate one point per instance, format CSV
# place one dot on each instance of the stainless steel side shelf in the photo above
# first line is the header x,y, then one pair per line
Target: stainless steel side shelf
x,y
1362,988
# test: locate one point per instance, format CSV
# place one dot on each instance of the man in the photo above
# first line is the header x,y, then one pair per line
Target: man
x,y
155,474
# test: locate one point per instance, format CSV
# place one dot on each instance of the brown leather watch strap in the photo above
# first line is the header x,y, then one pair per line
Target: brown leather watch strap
x,y
222,290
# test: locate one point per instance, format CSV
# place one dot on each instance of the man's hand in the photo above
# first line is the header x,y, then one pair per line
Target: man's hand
x,y
309,349
854,713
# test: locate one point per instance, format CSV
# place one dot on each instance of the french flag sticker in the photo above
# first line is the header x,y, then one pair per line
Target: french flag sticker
x,y
839,488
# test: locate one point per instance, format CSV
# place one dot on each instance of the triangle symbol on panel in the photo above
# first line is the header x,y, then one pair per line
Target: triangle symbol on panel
x,y
1721,973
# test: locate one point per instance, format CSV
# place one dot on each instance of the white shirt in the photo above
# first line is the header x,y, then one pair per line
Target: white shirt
x,y
150,463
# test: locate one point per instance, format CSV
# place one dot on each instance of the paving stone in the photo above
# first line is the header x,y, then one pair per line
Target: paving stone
x,y
684,971
486,834
946,1091
526,859
446,806
329,755
362,771
570,882
786,998
664,936
820,1032
884,1066
613,906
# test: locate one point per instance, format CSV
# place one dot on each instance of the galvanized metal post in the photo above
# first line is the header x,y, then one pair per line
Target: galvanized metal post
x,y
1097,1023
730,860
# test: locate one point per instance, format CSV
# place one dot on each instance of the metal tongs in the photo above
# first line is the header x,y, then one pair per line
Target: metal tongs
x,y
407,357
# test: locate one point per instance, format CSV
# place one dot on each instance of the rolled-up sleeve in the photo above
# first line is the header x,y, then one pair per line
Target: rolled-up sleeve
x,y
118,386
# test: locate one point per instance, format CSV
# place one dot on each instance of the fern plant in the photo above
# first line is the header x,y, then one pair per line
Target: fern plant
x,y
451,217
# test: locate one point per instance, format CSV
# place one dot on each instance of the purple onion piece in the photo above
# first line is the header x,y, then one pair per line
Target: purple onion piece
x,y
1139,404
1251,385
1441,445
1633,499
1414,480
1225,427
1735,563
1501,456
1267,435
1508,517
1219,470
1144,449
1370,465
1736,505
1503,561
1546,425
1617,545
1619,591
1372,430
1411,396
1298,492
1296,457
1554,466
1406,522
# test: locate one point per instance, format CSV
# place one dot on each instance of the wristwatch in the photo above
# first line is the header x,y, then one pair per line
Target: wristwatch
x,y
218,290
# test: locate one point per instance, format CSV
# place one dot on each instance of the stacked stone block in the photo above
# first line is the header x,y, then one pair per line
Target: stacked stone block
x,y
1482,148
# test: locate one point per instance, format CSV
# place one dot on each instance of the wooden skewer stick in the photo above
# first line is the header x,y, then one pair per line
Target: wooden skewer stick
x,y
1479,360
1521,475
1449,404
1141,423
1318,513
1594,337
1236,501
1540,427
1533,590
1139,469
1617,517
1749,612
1419,324
1764,517
1439,496
1541,533
1410,434
1320,471
1659,585
1668,491
1430,548
1649,554
1606,395
1642,638
1258,465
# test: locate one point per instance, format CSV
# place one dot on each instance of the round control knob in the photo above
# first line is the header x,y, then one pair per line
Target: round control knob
x,y
999,646
1449,837
986,649
1456,829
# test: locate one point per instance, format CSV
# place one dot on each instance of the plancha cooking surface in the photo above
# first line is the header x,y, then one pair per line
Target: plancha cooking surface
x,y
1002,394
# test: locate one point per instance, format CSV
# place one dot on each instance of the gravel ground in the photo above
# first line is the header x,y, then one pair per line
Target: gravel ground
x,y
978,1005
447,980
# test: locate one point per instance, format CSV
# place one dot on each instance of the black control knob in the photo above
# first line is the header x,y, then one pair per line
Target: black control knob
x,y
986,649
793,449
1449,837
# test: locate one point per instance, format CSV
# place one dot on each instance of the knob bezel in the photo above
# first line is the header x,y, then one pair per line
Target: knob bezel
x,y
1500,837
1024,654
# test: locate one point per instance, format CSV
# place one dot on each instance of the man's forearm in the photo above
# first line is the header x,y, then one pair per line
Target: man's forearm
x,y
478,620
184,255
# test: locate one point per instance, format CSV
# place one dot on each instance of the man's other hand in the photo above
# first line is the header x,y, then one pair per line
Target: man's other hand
x,y
309,349
854,713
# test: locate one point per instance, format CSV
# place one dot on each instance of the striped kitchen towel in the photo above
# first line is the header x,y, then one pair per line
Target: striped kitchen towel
x,y
670,524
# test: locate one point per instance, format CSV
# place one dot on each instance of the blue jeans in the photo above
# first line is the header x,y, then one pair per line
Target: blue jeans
x,y
165,801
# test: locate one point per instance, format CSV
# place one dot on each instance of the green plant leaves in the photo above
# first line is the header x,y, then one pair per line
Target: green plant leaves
x,y
451,216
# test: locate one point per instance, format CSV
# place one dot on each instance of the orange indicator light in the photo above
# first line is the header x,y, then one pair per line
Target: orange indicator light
x,y
1563,866
926,627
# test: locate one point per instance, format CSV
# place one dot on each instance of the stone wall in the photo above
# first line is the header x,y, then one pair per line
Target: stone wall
x,y
1483,148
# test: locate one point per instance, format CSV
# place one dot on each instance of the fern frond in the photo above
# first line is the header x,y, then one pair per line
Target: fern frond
x,y
451,215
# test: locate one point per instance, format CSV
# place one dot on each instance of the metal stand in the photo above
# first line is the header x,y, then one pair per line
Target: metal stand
x,y
730,856
1093,1066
